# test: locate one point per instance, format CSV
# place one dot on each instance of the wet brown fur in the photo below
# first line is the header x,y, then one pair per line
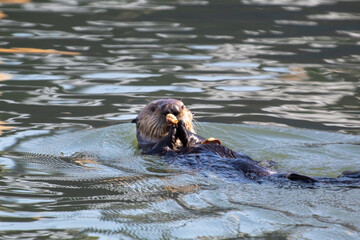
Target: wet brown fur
x,y
157,136
151,123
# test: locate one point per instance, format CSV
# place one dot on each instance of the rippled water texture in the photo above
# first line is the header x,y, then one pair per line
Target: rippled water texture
x,y
277,79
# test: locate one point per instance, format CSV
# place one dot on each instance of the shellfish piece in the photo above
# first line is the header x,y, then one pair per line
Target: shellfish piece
x,y
211,141
171,119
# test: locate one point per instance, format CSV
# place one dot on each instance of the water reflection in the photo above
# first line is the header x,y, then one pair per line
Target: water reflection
x,y
300,3
14,1
118,75
141,196
146,48
71,65
335,16
4,127
5,76
112,89
34,50
2,15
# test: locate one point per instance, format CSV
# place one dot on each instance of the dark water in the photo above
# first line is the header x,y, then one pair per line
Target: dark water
x,y
277,79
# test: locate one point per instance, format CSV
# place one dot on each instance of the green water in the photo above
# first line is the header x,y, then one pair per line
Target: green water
x,y
278,80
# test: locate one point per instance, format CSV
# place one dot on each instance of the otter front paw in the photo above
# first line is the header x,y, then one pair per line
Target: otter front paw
x,y
182,133
172,135
170,139
166,144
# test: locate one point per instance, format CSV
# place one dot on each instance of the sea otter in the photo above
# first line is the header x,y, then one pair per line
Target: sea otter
x,y
165,127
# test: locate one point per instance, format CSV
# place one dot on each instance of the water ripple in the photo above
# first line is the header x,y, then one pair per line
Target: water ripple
x,y
182,57
112,89
117,75
335,16
214,77
71,70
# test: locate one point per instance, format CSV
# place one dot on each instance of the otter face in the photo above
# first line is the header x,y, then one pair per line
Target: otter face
x,y
151,125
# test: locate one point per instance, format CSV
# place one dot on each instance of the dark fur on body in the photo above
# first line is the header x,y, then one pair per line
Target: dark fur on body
x,y
183,146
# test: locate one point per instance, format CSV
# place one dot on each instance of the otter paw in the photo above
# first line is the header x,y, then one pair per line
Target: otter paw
x,y
211,141
171,119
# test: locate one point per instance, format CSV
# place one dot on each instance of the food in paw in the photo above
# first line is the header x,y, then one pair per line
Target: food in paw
x,y
171,119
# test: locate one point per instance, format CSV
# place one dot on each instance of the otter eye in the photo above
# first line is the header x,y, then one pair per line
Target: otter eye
x,y
182,107
153,108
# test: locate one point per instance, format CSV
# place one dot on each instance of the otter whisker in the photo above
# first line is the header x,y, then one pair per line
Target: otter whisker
x,y
153,128
151,123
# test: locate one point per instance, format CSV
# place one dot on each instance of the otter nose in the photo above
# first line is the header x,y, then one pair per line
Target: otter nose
x,y
170,108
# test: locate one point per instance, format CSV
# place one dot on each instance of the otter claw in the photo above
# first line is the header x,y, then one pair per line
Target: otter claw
x,y
171,119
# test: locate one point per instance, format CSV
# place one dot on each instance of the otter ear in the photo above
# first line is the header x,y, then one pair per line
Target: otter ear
x,y
134,120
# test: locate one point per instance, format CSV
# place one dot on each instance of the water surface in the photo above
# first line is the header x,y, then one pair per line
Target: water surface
x,y
278,80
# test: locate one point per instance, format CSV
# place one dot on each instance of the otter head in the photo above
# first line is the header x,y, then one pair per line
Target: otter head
x,y
151,125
